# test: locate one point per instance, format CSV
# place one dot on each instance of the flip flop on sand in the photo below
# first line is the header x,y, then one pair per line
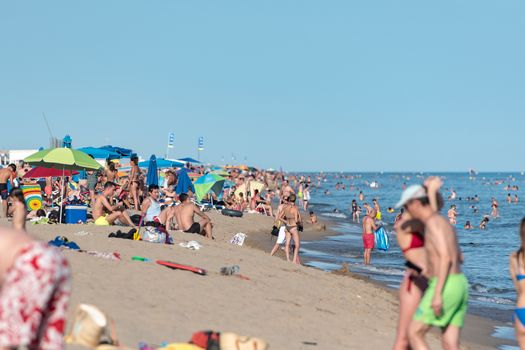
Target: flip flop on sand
x,y
230,270
193,245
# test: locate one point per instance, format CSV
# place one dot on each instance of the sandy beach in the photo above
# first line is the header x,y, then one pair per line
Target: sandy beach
x,y
292,307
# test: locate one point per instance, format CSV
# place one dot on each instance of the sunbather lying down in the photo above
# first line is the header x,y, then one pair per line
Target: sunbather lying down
x,y
106,214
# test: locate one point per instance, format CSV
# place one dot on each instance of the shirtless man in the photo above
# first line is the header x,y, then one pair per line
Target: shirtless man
x,y
6,175
106,214
292,218
452,214
34,294
369,227
184,214
444,303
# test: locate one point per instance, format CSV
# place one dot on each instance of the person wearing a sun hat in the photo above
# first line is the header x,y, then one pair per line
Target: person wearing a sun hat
x,y
444,303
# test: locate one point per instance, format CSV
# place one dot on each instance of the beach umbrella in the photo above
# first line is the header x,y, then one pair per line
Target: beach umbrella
x,y
62,159
254,185
188,160
221,172
207,183
125,152
100,153
162,163
153,176
47,172
183,182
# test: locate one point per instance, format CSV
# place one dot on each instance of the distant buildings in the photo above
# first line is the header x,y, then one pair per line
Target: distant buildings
x,y
14,155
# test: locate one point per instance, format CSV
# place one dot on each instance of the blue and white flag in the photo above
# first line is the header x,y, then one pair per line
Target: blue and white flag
x,y
200,146
171,139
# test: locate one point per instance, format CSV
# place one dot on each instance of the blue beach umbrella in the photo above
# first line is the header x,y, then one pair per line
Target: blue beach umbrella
x,y
207,183
100,153
183,182
125,152
153,176
189,160
162,163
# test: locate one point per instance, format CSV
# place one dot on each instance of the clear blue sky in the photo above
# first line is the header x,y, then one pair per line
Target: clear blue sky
x,y
307,85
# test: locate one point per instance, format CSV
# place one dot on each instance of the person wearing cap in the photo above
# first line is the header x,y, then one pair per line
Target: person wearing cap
x,y
444,303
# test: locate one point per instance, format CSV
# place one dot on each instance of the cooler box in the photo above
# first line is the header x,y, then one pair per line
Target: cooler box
x,y
76,214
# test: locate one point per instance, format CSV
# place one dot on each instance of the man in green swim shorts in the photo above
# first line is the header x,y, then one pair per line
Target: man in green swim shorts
x,y
444,303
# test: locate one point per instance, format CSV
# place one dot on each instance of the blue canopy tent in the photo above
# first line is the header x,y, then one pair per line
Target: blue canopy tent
x,y
100,153
125,152
162,163
183,182
189,160
153,176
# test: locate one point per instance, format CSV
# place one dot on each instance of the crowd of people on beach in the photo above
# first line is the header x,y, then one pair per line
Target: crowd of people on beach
x,y
433,292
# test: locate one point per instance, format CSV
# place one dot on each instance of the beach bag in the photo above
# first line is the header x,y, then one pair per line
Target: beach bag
x,y
152,234
275,231
232,341
208,340
382,241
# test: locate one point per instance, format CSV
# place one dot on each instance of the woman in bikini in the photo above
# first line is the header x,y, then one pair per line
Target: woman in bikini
x,y
409,233
134,181
517,273
111,172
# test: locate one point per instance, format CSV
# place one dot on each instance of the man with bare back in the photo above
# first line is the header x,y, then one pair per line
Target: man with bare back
x,y
184,214
7,174
444,303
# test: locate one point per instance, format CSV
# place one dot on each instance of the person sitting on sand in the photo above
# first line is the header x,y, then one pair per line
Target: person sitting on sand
x,y
184,214
151,209
313,218
257,202
18,209
106,214
34,294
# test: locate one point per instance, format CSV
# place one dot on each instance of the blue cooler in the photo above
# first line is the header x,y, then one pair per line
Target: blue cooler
x,y
76,214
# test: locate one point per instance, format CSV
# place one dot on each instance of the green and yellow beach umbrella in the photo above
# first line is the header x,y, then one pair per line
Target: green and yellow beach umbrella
x,y
207,183
63,159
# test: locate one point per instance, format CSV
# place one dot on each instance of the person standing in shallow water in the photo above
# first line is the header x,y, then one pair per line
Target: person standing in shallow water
x,y
517,273
369,227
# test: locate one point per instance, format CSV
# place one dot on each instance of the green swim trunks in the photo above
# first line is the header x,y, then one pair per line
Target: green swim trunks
x,y
455,298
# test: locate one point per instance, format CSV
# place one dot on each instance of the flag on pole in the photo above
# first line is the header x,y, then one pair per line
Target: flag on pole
x,y
171,139
200,146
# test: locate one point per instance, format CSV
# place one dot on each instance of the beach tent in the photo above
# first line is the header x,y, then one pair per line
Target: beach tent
x,y
39,172
206,183
153,176
162,163
254,185
189,160
125,152
183,182
100,153
63,159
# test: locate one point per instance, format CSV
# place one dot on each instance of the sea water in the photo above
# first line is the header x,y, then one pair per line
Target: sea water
x,y
486,251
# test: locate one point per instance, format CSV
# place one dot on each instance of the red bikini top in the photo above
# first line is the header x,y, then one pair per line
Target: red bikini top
x,y
417,241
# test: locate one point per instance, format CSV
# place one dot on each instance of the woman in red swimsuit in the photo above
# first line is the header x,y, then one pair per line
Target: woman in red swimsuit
x,y
410,238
